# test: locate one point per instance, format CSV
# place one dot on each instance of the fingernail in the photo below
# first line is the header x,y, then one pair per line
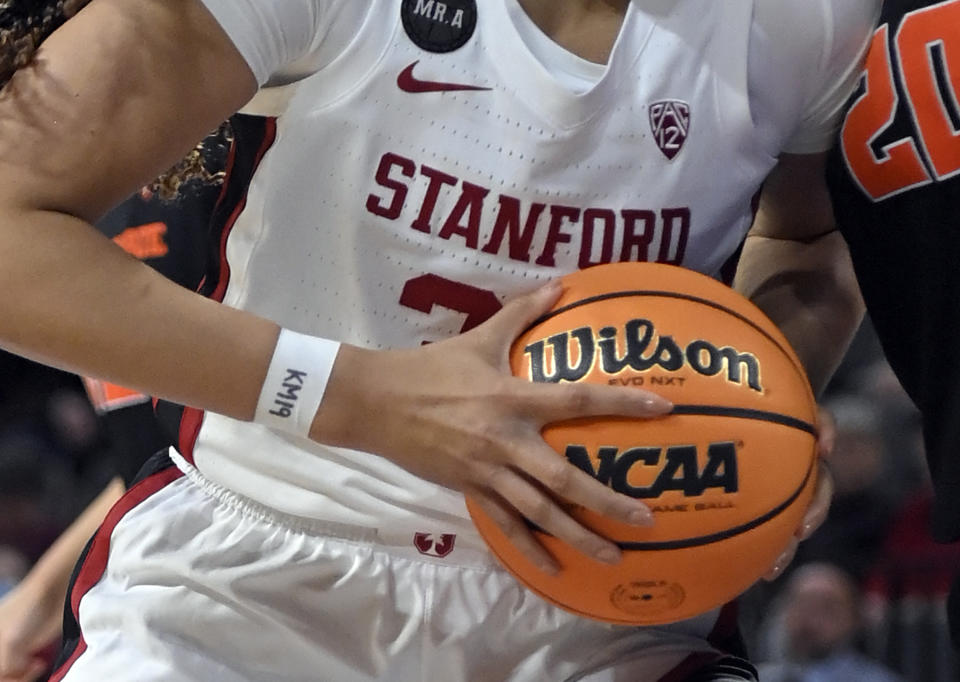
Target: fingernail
x,y
552,286
656,404
609,555
641,517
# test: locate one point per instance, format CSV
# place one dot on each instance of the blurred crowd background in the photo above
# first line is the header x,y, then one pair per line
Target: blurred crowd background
x,y
863,601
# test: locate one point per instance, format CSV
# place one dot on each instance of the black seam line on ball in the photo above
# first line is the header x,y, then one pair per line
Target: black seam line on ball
x,y
745,413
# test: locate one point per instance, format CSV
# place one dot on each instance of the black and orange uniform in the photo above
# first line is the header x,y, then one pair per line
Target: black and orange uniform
x,y
173,236
895,176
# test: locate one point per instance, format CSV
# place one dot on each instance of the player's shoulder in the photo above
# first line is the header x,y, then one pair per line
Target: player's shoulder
x,y
819,28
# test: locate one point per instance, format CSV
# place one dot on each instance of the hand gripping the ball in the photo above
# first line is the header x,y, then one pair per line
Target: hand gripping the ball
x,y
452,412
819,507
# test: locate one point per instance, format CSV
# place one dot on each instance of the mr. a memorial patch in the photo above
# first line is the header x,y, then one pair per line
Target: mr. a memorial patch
x,y
438,26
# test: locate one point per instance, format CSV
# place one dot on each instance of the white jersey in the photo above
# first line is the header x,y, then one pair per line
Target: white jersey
x,y
405,193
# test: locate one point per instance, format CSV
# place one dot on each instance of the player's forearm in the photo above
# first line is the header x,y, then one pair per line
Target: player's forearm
x,y
72,299
809,290
51,574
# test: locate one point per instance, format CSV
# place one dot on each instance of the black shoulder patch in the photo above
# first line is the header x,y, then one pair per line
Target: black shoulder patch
x,y
439,25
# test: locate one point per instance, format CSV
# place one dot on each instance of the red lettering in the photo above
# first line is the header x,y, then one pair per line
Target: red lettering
x,y
374,203
609,224
555,233
508,218
470,205
681,218
634,240
592,233
426,291
437,180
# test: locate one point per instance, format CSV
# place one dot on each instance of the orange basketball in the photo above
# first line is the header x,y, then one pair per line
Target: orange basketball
x,y
728,474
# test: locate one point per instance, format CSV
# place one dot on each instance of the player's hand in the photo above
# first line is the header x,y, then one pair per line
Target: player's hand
x,y
30,622
819,507
452,412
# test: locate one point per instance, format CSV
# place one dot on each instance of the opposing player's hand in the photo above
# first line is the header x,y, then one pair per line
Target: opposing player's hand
x,y
29,622
819,507
452,412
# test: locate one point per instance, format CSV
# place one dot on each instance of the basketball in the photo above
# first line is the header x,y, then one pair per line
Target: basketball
x,y
728,474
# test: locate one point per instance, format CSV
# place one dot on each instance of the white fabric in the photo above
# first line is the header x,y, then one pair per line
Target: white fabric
x,y
386,218
295,383
376,218
573,72
812,47
227,591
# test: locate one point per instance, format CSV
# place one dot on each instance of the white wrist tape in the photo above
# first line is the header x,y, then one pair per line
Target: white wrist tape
x,y
296,382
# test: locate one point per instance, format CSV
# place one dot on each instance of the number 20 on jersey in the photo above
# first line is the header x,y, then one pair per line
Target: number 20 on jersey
x,y
925,51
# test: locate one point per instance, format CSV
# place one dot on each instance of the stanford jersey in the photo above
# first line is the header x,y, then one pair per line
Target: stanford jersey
x,y
414,164
896,181
423,162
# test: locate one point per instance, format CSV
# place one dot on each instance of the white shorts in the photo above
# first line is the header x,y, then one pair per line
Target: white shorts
x,y
186,581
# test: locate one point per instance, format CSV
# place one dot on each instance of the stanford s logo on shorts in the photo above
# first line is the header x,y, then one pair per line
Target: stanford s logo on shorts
x,y
670,122
426,544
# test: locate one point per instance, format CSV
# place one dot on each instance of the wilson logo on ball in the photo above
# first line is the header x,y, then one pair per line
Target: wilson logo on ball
x,y
641,349
676,468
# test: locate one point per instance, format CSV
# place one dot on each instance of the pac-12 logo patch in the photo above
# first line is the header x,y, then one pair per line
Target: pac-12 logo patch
x,y
670,122
439,25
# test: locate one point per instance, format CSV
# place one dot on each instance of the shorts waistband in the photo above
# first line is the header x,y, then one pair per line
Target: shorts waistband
x,y
469,548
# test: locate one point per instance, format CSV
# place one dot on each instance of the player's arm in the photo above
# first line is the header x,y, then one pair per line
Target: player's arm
x,y
117,95
795,264
796,267
32,613
104,107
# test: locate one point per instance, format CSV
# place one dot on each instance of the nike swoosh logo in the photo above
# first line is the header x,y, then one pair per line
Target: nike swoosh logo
x,y
407,82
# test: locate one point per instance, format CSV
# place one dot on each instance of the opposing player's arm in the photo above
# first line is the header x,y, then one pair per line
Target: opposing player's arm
x,y
796,267
112,99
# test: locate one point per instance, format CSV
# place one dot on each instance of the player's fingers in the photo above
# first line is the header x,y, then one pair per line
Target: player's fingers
x,y
543,510
575,486
516,530
783,560
519,313
551,403
819,505
826,432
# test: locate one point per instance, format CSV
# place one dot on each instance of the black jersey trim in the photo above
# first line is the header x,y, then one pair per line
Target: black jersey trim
x,y
252,138
157,474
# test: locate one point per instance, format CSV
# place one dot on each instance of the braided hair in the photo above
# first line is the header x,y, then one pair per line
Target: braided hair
x,y
25,24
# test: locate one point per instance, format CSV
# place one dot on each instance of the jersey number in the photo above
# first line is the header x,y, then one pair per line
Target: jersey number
x,y
926,46
426,291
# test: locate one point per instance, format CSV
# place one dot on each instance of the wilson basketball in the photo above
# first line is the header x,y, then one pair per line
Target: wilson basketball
x,y
728,474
